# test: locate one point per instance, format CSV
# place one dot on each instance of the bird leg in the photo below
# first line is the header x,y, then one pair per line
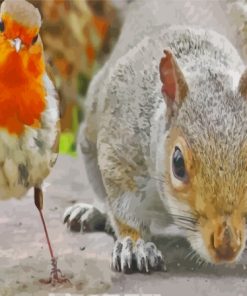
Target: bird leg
x,y
56,275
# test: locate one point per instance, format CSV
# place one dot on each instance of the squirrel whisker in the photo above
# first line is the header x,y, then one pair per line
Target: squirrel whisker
x,y
157,179
185,227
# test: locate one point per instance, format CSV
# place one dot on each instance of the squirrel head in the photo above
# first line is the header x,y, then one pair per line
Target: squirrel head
x,y
205,173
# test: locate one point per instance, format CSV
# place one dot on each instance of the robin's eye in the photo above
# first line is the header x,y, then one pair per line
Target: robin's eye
x,y
1,26
178,166
35,39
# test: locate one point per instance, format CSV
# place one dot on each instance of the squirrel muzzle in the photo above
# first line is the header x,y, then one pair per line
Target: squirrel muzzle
x,y
224,239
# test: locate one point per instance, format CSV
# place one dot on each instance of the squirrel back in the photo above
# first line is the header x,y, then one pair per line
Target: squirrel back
x,y
145,18
131,90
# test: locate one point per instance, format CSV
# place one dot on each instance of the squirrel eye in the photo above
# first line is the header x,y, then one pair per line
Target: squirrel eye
x,y
178,166
2,27
35,39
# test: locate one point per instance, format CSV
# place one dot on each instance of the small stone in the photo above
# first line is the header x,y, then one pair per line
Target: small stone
x,y
53,209
178,264
73,201
244,267
82,248
79,286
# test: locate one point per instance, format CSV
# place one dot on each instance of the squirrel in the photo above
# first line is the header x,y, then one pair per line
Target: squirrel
x,y
165,134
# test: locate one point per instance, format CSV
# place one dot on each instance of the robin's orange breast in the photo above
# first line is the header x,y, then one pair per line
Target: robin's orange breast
x,y
22,92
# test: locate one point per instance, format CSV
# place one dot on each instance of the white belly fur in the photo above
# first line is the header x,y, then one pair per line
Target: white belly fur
x,y
26,160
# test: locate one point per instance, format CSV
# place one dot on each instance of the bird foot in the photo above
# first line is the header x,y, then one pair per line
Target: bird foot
x,y
56,276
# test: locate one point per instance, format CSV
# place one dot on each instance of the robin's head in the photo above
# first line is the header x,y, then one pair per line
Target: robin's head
x,y
20,23
22,65
21,49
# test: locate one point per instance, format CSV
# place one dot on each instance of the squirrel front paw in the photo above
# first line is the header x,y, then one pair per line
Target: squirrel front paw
x,y
85,218
128,256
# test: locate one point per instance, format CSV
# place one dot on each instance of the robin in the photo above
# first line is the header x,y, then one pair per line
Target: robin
x,y
29,117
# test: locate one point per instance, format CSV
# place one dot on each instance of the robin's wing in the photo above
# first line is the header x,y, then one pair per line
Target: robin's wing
x,y
55,147
61,104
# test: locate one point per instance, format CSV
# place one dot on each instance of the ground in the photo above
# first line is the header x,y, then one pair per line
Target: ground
x,y
85,258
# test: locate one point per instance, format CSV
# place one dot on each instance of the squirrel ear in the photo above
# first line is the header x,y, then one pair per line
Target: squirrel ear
x,y
242,87
174,88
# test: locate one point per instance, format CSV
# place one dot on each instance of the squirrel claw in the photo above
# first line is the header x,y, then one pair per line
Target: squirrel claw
x,y
143,257
84,218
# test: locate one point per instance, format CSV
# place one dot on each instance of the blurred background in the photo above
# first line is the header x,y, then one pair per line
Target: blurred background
x,y
78,35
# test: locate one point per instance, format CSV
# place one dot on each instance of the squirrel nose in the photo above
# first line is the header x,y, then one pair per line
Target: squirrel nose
x,y
225,245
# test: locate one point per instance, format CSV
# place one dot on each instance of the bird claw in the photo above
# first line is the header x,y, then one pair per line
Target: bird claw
x,y
56,276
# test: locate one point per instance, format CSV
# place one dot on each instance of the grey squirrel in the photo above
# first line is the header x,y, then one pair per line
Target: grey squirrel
x,y
166,132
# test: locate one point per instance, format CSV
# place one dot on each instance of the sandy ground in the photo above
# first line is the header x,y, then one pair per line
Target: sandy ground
x,y
24,257
85,259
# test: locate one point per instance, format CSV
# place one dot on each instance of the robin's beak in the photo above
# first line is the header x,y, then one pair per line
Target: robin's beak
x,y
17,43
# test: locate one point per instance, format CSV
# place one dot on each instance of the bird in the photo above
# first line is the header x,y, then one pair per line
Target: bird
x,y
30,111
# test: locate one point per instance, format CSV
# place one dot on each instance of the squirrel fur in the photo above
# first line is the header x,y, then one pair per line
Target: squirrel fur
x,y
172,87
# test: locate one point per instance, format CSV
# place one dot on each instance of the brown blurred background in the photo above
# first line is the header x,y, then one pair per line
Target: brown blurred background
x,y
77,35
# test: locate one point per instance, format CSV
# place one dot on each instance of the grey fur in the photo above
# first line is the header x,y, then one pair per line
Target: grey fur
x,y
127,126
